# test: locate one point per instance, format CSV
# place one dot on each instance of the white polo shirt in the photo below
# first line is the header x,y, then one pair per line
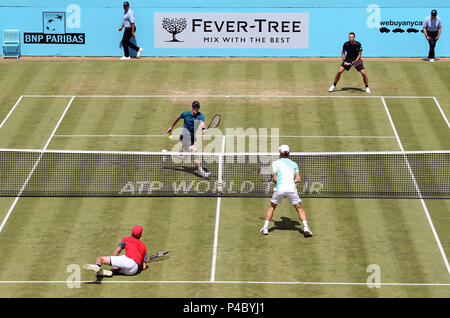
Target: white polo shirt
x,y
128,18
285,169
432,25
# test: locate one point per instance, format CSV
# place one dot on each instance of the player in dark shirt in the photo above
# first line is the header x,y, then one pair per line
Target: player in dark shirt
x,y
351,56
191,119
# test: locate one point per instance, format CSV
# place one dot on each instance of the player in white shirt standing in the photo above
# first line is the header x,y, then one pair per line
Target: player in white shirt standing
x,y
285,176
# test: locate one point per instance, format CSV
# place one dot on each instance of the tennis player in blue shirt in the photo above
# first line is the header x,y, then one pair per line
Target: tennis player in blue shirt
x,y
192,119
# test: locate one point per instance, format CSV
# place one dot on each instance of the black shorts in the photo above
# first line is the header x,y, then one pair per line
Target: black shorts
x,y
359,68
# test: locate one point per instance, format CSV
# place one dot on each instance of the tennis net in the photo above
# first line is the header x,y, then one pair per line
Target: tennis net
x,y
60,173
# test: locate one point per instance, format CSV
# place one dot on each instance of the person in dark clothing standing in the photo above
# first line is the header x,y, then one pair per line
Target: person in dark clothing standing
x,y
432,27
351,56
130,28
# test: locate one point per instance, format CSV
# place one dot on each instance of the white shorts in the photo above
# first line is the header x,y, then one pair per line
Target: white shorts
x,y
127,265
278,196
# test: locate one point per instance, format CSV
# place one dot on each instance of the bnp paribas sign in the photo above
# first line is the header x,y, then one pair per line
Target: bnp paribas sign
x,y
57,28
231,30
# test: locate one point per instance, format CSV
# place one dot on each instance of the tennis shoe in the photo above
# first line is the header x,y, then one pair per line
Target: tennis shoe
x,y
205,174
307,232
431,60
92,267
105,273
139,52
264,230
164,157
331,89
367,90
125,58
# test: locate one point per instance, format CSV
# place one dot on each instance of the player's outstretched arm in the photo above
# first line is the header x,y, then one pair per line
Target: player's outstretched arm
x,y
173,125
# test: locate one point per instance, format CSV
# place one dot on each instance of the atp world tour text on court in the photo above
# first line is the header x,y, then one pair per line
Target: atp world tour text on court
x,y
212,309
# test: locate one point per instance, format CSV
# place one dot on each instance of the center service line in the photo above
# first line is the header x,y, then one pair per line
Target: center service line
x,y
216,230
436,237
35,165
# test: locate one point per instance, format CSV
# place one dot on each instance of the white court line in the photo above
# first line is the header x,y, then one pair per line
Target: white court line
x,y
42,96
216,229
442,112
35,165
225,96
217,282
11,111
281,136
436,237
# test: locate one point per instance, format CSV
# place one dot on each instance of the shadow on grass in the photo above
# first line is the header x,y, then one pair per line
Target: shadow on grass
x,y
98,281
286,224
351,89
191,170
427,60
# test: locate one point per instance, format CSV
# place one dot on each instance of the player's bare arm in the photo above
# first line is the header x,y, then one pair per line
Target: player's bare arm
x,y
118,250
343,56
133,28
203,125
173,125
426,34
297,178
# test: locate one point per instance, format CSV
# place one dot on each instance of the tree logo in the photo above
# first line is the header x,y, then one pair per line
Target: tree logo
x,y
174,26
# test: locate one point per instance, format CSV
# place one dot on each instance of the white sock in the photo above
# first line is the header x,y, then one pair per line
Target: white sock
x,y
266,223
305,224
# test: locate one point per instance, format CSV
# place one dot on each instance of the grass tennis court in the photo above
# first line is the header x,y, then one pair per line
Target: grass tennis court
x,y
215,246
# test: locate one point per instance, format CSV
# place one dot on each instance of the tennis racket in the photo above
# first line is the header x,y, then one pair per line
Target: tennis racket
x,y
156,256
215,121
356,63
265,174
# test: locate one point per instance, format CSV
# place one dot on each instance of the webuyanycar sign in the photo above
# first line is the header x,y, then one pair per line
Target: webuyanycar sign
x,y
231,30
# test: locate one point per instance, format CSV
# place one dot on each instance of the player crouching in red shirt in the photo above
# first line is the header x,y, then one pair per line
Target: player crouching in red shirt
x,y
128,264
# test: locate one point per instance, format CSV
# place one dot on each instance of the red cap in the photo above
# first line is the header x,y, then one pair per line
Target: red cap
x,y
137,230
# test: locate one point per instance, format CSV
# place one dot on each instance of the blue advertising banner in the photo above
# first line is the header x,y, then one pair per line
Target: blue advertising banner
x,y
225,28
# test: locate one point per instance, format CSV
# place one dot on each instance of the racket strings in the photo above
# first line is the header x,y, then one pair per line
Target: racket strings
x,y
215,121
